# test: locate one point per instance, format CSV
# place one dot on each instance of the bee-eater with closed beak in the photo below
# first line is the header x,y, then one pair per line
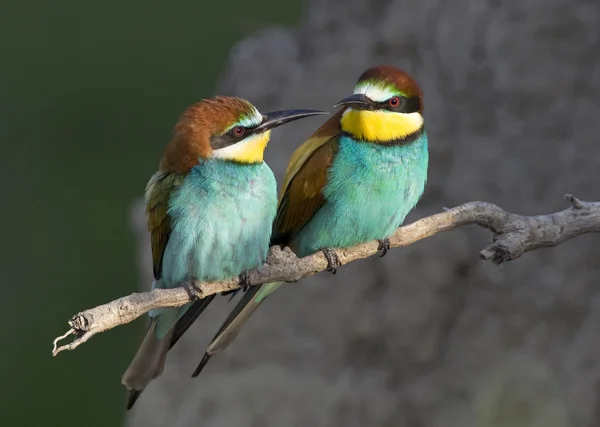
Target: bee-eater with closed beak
x,y
210,211
354,180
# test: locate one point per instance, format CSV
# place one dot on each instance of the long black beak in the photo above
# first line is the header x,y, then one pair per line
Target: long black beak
x,y
357,100
278,118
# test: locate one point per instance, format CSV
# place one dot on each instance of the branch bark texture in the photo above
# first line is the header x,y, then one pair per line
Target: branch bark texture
x,y
513,236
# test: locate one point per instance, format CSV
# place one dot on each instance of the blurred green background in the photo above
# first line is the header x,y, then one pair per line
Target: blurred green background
x,y
88,96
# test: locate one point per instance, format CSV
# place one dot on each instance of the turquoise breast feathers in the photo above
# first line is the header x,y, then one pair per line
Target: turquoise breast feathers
x,y
214,234
370,190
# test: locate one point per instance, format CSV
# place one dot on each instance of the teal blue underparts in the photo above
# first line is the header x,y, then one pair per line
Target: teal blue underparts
x,y
370,190
221,218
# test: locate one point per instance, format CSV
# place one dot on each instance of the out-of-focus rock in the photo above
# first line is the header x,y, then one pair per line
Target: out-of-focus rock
x,y
427,336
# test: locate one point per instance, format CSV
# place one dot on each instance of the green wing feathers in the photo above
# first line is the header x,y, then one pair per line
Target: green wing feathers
x,y
158,192
303,196
305,177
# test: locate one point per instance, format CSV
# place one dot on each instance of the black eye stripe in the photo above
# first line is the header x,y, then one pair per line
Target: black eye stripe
x,y
230,137
405,105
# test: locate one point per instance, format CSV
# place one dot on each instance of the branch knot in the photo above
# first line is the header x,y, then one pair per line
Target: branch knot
x,y
575,202
80,323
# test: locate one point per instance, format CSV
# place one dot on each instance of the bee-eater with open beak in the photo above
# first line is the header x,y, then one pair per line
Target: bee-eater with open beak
x,y
354,180
210,211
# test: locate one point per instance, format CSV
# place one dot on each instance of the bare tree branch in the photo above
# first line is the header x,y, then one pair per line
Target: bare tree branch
x,y
513,236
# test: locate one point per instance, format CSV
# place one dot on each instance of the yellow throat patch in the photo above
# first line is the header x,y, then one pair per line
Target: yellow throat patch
x,y
380,126
248,150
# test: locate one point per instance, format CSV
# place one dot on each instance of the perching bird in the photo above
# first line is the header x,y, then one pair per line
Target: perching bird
x,y
354,180
210,210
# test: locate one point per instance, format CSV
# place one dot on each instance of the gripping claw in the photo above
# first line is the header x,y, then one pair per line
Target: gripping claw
x,y
333,262
245,281
192,291
384,246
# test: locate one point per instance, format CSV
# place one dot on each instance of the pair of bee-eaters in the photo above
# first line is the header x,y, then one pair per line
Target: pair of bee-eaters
x,y
213,209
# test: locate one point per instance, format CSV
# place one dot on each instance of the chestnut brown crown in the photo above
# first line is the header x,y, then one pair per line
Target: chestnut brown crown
x,y
198,126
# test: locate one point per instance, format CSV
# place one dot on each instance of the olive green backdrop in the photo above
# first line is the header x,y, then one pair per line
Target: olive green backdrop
x,y
89,92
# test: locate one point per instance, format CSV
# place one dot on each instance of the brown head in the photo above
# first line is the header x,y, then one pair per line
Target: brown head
x,y
386,106
223,127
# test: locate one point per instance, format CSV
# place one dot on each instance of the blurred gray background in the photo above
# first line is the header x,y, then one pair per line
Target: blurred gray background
x,y
428,335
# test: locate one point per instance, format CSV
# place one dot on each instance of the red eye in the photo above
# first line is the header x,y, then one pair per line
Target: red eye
x,y
394,102
238,131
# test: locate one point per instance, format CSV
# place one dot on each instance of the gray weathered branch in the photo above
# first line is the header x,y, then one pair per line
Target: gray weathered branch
x,y
513,236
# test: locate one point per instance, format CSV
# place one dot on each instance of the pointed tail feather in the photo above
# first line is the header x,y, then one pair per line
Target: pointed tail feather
x,y
246,299
236,319
149,361
133,397
147,364
189,318
202,364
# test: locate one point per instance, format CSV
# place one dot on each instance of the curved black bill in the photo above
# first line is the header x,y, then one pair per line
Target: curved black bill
x,y
277,118
356,100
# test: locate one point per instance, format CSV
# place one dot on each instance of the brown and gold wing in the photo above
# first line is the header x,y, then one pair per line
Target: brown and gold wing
x,y
301,195
158,192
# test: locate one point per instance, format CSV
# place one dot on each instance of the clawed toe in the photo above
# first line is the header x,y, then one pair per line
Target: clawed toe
x,y
333,261
384,246
192,291
245,281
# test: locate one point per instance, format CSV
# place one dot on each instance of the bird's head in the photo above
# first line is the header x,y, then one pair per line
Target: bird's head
x,y
386,106
227,128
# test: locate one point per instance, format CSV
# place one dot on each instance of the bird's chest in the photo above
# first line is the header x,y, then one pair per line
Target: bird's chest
x,y
221,220
371,188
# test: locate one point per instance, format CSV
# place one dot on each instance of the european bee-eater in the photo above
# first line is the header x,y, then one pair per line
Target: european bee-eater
x,y
354,180
210,211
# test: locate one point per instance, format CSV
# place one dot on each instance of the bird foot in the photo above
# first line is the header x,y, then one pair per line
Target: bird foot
x,y
192,290
245,284
384,246
244,281
333,261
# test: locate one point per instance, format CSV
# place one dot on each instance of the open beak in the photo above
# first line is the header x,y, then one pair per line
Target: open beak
x,y
278,118
358,101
